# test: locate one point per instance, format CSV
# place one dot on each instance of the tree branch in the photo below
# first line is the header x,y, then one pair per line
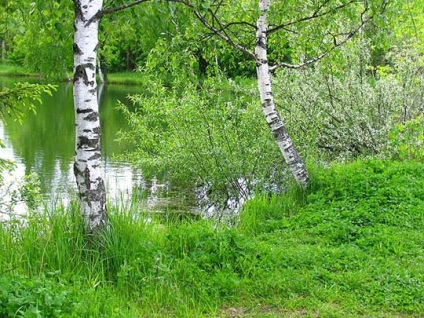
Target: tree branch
x,y
320,56
222,35
314,15
104,12
238,23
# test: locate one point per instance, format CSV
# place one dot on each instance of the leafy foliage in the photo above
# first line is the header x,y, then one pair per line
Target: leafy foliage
x,y
212,136
346,109
15,101
406,140
23,297
45,44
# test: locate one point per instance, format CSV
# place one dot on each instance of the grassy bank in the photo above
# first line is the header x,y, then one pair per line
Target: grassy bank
x,y
125,78
14,70
351,245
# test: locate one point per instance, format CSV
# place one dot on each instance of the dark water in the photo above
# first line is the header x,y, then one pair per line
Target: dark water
x,y
44,142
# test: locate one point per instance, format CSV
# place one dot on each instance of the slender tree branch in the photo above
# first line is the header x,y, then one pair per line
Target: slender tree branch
x,y
222,35
314,15
104,12
332,48
218,6
225,26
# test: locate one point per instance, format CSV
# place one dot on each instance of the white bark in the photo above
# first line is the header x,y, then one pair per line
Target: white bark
x,y
87,168
275,123
99,70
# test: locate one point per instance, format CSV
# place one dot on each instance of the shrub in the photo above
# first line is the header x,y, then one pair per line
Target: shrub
x,y
349,109
213,137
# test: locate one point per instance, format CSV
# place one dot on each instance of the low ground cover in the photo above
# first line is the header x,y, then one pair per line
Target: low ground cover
x,y
349,246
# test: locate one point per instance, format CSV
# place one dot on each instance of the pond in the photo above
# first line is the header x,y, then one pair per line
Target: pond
x,y
44,142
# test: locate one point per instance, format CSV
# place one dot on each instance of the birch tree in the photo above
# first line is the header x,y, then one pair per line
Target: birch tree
x,y
234,32
207,12
273,119
87,166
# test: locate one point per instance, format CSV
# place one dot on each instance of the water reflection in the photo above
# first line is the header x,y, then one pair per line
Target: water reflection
x,y
44,143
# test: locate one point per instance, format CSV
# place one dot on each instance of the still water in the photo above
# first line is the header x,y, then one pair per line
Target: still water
x,y
44,142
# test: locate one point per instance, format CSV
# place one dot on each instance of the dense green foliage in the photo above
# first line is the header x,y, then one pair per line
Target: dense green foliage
x,y
349,246
16,101
214,136
213,133
351,108
39,35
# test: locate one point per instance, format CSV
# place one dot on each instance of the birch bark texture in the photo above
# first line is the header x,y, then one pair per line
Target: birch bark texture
x,y
87,167
273,119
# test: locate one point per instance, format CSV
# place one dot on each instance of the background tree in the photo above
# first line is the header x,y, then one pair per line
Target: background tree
x,y
44,46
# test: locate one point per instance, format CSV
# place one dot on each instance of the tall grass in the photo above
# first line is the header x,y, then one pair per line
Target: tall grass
x,y
349,246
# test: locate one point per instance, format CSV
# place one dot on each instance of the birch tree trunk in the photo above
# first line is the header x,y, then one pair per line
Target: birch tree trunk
x,y
87,168
275,123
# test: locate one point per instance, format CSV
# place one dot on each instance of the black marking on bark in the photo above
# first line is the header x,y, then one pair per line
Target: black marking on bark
x,y
87,130
261,42
76,170
78,12
87,100
281,132
99,195
80,72
84,111
92,91
95,156
77,50
84,143
96,130
87,181
92,117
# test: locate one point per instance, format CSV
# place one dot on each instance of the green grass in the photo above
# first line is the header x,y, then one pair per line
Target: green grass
x,y
349,246
127,78
15,70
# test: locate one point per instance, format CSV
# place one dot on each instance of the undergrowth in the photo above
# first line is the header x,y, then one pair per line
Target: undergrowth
x,y
349,246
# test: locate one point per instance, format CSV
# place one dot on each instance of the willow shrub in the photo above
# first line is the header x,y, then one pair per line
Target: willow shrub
x,y
347,107
214,136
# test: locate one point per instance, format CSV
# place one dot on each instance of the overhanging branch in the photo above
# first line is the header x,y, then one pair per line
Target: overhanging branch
x,y
104,12
332,48
316,14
